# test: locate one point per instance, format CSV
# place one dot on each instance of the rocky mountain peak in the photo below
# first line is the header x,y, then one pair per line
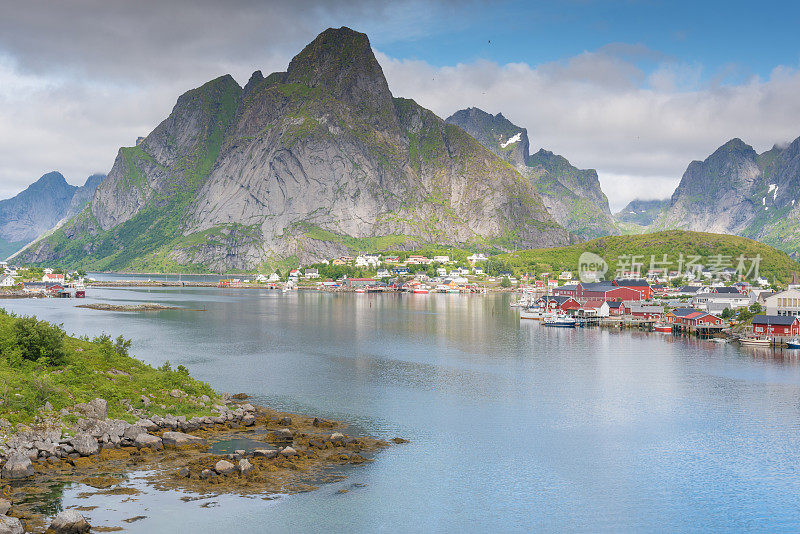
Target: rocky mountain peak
x,y
572,196
496,133
49,180
341,62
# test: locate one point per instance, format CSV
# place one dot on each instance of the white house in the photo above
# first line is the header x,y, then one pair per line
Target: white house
x,y
476,258
382,273
48,271
261,278
565,275
368,260
441,259
7,281
311,274
784,303
478,271
716,302
274,278
51,277
441,271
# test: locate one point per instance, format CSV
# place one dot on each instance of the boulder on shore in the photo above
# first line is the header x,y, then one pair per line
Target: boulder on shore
x,y
284,434
148,440
94,409
17,467
69,522
245,466
224,467
10,525
265,453
5,506
85,445
179,439
288,452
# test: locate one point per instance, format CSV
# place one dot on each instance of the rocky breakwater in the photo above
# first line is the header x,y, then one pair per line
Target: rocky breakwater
x,y
295,454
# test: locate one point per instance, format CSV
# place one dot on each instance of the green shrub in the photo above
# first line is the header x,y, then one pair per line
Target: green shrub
x,y
40,341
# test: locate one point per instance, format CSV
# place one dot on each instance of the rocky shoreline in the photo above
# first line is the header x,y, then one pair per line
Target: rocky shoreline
x,y
294,453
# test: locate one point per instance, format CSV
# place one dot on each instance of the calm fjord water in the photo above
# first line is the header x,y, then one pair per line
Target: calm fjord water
x,y
513,427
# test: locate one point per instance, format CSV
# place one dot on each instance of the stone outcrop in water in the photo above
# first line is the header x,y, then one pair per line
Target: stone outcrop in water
x,y
69,522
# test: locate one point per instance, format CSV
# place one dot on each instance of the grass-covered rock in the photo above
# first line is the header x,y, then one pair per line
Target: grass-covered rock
x,y
43,370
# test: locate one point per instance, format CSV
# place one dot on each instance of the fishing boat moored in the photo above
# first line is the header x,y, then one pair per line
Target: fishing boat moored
x,y
534,313
559,321
755,341
662,327
793,343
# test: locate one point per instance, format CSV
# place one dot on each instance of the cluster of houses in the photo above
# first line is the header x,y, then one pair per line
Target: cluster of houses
x,y
638,299
50,284
388,266
8,278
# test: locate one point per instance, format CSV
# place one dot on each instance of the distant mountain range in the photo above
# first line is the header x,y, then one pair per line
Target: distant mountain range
x,y
572,196
40,207
738,191
291,167
641,212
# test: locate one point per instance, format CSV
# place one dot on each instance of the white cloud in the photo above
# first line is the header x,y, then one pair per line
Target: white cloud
x,y
601,111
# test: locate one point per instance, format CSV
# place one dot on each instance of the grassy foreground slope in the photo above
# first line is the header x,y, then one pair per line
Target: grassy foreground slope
x,y
775,265
39,363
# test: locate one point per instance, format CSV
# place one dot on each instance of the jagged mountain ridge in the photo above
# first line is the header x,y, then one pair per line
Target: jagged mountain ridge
x,y
572,196
738,191
39,207
295,165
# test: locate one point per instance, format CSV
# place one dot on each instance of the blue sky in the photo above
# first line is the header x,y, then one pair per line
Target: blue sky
x,y
732,38
633,89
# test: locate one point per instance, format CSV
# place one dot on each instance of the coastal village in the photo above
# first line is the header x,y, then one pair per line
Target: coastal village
x,y
703,302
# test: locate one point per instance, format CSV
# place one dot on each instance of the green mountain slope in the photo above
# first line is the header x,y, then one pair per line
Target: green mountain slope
x,y
774,264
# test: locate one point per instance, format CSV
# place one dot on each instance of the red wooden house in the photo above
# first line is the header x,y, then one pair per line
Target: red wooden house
x,y
776,325
640,286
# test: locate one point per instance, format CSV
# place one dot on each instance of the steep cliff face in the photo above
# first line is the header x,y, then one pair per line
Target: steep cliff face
x,y
737,191
572,196
40,207
294,165
642,212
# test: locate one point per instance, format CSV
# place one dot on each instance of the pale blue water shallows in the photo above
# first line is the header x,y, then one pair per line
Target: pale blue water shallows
x,y
513,427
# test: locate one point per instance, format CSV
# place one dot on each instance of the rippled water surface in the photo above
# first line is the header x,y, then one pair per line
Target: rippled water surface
x,y
513,427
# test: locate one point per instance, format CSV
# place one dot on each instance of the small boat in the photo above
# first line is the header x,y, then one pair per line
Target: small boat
x,y
537,314
719,339
793,343
361,290
559,321
662,327
421,291
755,341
